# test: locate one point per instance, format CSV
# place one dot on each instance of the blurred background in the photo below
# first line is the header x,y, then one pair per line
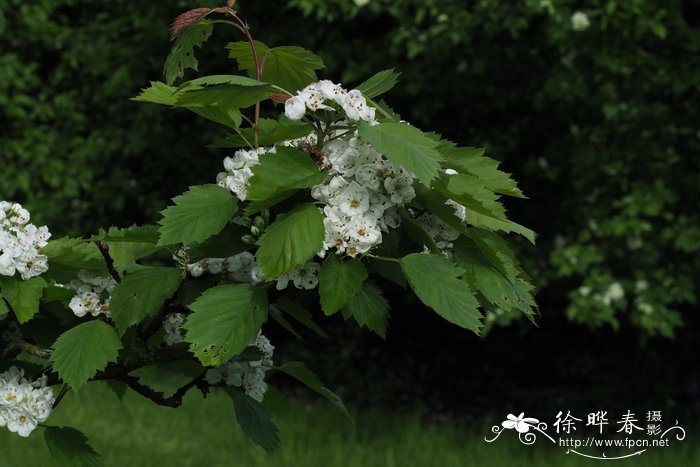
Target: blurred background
x,y
592,105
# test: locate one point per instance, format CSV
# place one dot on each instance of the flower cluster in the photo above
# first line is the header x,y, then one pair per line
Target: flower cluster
x,y
239,170
318,96
363,194
247,374
20,243
172,327
239,268
92,294
580,21
23,404
442,234
304,276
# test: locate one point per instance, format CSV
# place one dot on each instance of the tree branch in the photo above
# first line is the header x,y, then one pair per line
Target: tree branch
x,y
104,249
158,397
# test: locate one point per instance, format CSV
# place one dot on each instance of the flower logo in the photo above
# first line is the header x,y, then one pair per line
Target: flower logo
x,y
520,423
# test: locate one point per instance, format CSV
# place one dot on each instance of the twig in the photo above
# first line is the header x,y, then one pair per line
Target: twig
x,y
104,249
60,396
158,397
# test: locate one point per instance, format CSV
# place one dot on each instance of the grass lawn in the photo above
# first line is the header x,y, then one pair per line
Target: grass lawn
x,y
204,433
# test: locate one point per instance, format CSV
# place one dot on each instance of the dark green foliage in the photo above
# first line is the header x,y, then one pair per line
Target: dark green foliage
x,y
599,124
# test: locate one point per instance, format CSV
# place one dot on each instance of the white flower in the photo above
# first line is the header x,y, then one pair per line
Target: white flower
x,y
356,108
23,404
580,21
304,276
354,200
92,294
172,327
21,242
248,375
294,108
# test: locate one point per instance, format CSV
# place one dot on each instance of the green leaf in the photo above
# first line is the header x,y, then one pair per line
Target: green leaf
x,y
79,353
300,314
141,294
254,420
405,146
157,93
226,91
291,68
300,372
369,308
287,169
291,240
225,320
276,314
416,232
133,234
270,133
472,161
228,117
508,293
23,296
254,207
434,202
69,446
182,55
339,281
222,245
198,214
130,244
483,208
435,281
379,83
67,256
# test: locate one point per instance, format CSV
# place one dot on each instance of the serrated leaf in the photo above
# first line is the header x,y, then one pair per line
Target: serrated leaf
x,y
79,353
339,281
133,234
508,293
287,169
129,244
483,208
276,314
182,55
269,133
472,161
405,146
69,446
254,420
157,93
290,67
300,314
435,202
300,372
379,83
225,320
435,281
198,214
225,91
23,296
369,308
141,294
291,240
